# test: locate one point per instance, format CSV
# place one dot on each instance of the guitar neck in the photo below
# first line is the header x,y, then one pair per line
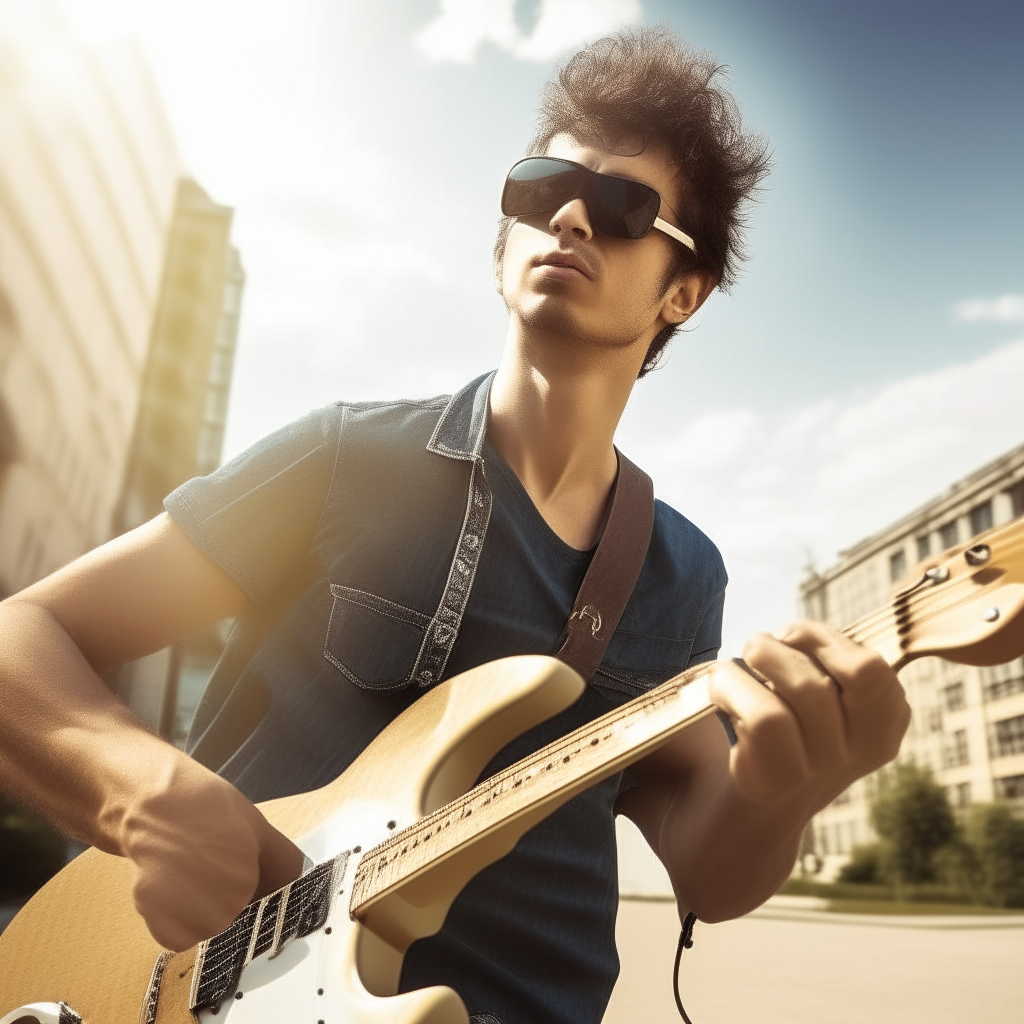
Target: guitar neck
x,y
954,608
540,783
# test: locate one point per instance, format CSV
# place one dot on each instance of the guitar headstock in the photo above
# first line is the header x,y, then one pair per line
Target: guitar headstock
x,y
968,605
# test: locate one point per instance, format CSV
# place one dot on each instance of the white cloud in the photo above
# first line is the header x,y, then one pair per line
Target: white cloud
x,y
1006,309
462,26
773,490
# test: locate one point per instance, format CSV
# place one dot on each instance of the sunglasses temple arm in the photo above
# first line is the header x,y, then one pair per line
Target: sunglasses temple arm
x,y
673,232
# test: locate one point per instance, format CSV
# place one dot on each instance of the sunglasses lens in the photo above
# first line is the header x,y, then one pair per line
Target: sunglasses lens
x,y
539,184
617,206
621,207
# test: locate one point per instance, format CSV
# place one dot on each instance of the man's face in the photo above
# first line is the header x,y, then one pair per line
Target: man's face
x,y
560,276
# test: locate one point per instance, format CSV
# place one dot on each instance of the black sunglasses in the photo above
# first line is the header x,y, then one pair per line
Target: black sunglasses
x,y
616,206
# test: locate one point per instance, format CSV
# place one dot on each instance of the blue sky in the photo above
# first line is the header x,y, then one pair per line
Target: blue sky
x,y
872,353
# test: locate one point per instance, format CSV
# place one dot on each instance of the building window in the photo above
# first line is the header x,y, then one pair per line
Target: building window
x,y
953,697
954,750
1010,787
1016,493
981,518
949,535
931,720
960,794
1007,737
924,547
1003,688
897,565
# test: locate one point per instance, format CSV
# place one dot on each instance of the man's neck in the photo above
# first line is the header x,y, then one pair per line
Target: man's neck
x,y
554,413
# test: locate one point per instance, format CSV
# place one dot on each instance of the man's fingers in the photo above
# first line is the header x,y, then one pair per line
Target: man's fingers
x,y
811,692
857,668
873,701
768,759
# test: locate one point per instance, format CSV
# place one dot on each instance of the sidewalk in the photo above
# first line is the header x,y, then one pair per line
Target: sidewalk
x,y
791,962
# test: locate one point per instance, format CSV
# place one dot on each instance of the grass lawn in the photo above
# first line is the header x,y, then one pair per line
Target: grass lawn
x,y
883,906
858,898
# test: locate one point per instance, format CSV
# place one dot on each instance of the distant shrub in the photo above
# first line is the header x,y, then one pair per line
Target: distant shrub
x,y
866,865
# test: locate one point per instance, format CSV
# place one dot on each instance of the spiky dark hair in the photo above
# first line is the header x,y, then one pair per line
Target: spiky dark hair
x,y
645,85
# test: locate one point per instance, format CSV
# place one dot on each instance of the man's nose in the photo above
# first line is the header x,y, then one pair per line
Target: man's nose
x,y
572,217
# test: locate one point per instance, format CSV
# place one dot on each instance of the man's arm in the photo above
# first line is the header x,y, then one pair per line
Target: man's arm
x,y
727,822
71,750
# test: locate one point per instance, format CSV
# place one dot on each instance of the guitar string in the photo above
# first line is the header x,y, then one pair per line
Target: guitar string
x,y
927,605
921,603
1001,546
880,623
1013,547
931,603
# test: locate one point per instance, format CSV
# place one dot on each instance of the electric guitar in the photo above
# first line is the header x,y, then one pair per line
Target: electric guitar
x,y
397,835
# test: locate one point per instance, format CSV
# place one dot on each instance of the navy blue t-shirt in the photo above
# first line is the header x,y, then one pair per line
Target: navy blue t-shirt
x,y
538,927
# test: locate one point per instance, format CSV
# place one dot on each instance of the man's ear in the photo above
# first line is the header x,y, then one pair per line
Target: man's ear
x,y
686,295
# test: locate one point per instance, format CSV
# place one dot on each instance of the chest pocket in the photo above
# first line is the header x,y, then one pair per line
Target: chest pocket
x,y
373,642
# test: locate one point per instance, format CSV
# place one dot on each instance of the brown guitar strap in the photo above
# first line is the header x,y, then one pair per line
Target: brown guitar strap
x,y
613,571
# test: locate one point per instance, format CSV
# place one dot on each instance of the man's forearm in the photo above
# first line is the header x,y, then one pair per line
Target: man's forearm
x,y
725,855
68,747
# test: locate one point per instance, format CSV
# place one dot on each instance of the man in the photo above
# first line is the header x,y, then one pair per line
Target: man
x,y
371,550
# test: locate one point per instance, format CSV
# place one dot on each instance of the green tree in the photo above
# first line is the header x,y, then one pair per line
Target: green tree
x,y
911,813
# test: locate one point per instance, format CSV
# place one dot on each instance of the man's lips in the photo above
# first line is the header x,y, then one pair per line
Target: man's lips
x,y
568,260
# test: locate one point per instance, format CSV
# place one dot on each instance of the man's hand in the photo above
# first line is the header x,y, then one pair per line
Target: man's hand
x,y
200,851
827,712
727,822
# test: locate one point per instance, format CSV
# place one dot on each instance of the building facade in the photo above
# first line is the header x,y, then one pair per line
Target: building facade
x,y
179,431
968,722
89,170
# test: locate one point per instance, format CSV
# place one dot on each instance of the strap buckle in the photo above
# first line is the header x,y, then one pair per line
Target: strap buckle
x,y
590,612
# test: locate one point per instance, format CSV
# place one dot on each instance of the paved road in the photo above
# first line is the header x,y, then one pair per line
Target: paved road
x,y
818,970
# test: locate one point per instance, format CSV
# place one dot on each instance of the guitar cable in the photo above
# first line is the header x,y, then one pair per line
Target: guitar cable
x,y
685,942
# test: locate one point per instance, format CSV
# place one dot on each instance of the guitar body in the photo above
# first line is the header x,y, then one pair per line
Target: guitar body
x,y
79,941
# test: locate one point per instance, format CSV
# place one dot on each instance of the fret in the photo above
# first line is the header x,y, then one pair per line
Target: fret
x,y
249,953
266,928
275,945
550,776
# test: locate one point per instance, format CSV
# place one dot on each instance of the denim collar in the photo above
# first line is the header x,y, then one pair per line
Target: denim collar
x,y
460,431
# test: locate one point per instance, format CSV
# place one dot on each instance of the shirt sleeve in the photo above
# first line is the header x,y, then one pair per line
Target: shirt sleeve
x,y
708,638
257,515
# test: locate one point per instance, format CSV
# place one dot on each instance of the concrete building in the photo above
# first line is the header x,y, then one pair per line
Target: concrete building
x,y
179,431
89,172
968,723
